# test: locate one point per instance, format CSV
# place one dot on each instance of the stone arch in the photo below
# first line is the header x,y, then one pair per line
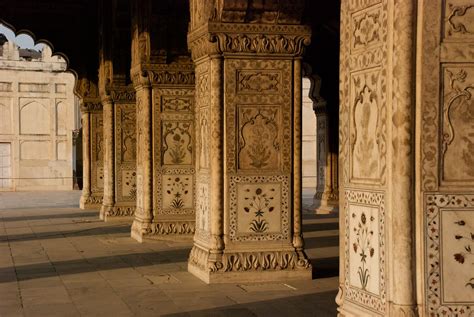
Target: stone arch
x,y
34,118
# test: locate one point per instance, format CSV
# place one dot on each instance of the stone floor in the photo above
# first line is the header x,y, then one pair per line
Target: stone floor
x,y
58,260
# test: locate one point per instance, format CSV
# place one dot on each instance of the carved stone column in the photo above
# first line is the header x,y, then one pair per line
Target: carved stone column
x,y
377,159
163,76
92,130
166,108
86,150
248,114
120,157
118,98
326,198
109,157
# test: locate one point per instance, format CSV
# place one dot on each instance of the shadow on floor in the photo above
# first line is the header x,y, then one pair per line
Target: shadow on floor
x,y
321,242
308,227
52,216
96,264
125,228
325,267
317,304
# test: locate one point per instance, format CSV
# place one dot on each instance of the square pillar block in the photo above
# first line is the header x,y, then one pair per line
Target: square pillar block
x,y
248,153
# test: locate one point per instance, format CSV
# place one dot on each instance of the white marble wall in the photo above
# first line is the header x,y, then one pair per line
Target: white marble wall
x,y
36,120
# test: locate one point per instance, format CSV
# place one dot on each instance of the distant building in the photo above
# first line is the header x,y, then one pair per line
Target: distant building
x,y
38,113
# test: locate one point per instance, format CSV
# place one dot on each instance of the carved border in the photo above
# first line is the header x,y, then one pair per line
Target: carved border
x,y
284,235
366,299
433,206
96,164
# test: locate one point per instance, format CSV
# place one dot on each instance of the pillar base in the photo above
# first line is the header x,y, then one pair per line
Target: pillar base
x,y
117,213
163,230
90,202
243,267
320,209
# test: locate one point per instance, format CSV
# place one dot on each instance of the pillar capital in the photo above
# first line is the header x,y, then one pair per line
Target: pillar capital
x,y
245,39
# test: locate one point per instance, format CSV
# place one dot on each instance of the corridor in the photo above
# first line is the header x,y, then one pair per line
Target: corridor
x,y
59,260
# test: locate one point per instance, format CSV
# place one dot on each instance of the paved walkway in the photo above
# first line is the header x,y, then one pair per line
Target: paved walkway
x,y
59,260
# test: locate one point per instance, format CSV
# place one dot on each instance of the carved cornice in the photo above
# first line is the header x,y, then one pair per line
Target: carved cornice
x,y
88,106
246,38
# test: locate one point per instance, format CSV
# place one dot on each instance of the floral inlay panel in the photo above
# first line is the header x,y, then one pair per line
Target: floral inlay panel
x,y
259,208
365,249
449,244
259,137
177,192
129,184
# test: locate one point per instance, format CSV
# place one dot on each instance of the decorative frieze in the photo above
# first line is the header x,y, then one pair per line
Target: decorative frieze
x,y
249,261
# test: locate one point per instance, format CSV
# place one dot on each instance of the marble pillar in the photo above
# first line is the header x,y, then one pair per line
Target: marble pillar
x,y
248,149
92,192
120,154
326,198
445,158
165,118
377,159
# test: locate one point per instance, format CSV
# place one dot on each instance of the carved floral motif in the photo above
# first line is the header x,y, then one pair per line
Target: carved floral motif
x,y
177,143
258,81
367,129
178,104
259,144
460,20
367,28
